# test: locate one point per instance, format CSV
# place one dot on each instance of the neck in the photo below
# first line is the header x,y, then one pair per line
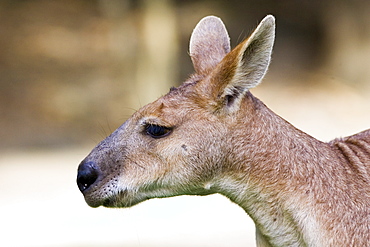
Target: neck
x,y
273,183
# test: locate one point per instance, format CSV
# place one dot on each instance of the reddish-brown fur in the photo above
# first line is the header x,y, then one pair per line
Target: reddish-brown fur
x,y
211,135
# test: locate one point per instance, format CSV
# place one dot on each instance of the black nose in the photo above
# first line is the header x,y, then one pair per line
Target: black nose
x,y
87,175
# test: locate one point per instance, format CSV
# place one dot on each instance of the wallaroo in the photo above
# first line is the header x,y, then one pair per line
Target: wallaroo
x,y
211,135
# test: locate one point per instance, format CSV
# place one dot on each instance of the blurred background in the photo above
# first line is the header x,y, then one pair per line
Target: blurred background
x,y
72,71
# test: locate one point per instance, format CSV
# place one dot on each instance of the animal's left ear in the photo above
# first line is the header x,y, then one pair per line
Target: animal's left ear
x,y
243,68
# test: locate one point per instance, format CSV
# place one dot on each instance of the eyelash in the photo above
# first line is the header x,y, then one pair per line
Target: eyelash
x,y
157,131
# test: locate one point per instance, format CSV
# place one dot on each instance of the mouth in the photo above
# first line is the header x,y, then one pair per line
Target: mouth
x,y
118,199
94,202
96,197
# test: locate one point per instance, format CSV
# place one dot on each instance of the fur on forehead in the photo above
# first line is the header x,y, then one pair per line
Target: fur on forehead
x,y
186,87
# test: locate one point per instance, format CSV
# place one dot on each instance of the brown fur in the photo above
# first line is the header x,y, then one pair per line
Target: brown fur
x,y
219,138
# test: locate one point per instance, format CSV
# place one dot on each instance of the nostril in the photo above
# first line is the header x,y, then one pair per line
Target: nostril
x,y
87,175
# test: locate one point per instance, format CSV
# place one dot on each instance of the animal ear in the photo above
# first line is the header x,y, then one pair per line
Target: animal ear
x,y
243,68
209,43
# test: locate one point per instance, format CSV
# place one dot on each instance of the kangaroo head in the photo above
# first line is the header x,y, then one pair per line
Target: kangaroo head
x,y
183,143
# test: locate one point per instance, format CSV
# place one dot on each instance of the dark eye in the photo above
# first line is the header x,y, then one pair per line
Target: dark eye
x,y
157,131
